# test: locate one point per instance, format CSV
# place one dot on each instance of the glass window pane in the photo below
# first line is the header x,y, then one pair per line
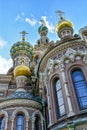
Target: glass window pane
x,y
80,87
60,101
59,98
20,122
58,86
2,123
59,94
62,110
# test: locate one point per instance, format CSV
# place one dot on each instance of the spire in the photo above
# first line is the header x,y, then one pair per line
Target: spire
x,y
23,33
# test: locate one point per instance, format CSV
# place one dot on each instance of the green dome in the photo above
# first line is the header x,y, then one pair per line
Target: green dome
x,y
42,28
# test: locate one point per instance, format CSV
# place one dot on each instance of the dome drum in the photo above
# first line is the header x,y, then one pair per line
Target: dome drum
x,y
66,31
64,28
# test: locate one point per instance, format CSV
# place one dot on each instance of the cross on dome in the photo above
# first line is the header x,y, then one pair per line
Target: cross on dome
x,y
60,14
23,33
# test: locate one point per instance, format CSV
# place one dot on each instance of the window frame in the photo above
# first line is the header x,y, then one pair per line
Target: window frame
x,y
59,115
76,93
23,125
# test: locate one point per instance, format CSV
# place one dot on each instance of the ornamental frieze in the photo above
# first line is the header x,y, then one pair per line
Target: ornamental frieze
x,y
59,51
20,102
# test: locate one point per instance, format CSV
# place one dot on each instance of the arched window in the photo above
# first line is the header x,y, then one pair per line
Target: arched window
x,y
59,98
37,123
2,123
80,87
20,122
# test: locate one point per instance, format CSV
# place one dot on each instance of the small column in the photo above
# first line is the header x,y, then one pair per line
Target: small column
x,y
66,90
33,122
6,123
42,124
49,106
12,126
26,124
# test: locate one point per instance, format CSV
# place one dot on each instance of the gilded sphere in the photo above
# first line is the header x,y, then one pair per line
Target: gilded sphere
x,y
62,24
22,70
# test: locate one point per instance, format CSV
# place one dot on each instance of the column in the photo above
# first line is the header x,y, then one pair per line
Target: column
x,y
66,91
42,124
12,126
6,123
49,106
33,122
26,124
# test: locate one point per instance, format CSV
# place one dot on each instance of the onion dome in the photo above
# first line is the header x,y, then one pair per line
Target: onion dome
x,y
21,48
64,28
62,24
22,70
42,28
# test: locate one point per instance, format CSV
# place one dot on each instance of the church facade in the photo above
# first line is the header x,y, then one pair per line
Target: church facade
x,y
46,88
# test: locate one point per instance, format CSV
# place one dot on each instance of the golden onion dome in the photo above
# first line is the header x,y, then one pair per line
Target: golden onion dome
x,y
22,70
62,24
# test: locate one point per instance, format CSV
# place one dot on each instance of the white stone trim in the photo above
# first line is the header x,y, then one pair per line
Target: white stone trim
x,y
20,109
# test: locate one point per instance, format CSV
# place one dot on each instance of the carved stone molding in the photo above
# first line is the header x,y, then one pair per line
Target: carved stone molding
x,y
2,112
20,102
60,48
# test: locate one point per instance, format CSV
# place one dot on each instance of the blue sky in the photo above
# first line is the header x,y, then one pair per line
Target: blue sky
x,y
19,15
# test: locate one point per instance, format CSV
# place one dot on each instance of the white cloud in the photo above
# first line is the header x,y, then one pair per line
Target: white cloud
x,y
50,26
18,17
5,65
2,42
32,22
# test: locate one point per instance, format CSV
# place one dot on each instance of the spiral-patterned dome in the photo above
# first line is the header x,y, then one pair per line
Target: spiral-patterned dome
x,y
21,47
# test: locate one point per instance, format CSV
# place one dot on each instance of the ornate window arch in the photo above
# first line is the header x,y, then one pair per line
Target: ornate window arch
x,y
37,120
20,111
3,120
80,87
59,99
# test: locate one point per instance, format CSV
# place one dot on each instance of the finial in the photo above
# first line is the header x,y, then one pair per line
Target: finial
x,y
23,33
60,14
22,60
42,22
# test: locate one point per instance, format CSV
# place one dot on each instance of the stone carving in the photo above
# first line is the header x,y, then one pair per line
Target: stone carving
x,y
85,58
71,55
